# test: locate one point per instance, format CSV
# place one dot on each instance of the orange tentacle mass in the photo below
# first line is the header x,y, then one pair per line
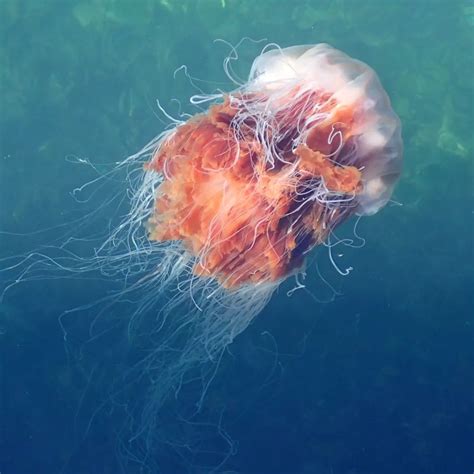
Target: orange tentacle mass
x,y
244,220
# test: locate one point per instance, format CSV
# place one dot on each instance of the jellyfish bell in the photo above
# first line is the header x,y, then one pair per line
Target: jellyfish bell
x,y
351,83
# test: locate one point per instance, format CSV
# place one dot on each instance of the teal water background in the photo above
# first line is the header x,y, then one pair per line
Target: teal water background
x,y
378,380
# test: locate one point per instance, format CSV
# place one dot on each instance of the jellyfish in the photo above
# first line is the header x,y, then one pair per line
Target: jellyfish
x,y
229,203
236,197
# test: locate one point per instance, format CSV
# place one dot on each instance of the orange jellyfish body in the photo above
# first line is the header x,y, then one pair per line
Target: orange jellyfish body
x,y
253,184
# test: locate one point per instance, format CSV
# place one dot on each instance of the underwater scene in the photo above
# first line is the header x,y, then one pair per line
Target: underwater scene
x,y
236,237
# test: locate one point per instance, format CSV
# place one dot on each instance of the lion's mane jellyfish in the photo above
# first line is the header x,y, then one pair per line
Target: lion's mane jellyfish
x,y
253,184
235,198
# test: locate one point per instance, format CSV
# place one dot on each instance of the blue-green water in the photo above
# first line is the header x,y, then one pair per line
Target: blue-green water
x,y
376,379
